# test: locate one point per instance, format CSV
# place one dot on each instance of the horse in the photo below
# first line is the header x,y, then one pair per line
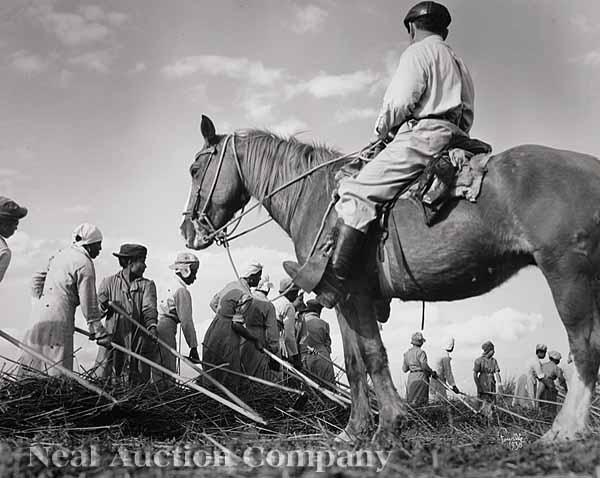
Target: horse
x,y
538,206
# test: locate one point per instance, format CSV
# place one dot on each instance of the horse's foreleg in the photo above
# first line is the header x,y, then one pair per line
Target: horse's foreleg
x,y
577,298
360,316
360,422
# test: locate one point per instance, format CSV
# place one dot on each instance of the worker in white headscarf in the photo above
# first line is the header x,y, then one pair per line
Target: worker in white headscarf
x,y
68,281
10,215
249,278
445,376
527,384
175,308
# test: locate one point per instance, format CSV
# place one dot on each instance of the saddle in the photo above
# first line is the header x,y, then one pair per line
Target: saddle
x,y
457,172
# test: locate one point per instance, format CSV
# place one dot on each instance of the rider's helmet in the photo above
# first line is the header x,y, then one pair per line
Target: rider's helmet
x,y
436,12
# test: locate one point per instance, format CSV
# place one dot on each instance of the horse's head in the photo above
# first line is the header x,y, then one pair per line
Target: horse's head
x,y
217,190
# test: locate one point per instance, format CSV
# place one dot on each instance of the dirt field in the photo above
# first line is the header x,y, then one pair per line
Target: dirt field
x,y
50,428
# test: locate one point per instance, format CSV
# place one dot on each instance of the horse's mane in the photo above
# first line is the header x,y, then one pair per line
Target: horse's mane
x,y
273,160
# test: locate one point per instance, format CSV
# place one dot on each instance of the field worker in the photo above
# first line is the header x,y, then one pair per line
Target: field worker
x,y
10,215
221,344
284,308
137,295
415,362
68,281
249,279
486,373
445,376
261,322
175,308
527,384
547,387
429,100
293,330
317,343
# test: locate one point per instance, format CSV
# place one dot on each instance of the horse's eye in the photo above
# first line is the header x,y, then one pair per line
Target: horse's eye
x,y
193,169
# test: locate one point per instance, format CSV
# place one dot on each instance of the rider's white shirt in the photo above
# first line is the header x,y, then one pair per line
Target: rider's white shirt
x,y
430,80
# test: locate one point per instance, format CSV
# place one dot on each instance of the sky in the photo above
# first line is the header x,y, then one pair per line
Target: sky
x,y
101,105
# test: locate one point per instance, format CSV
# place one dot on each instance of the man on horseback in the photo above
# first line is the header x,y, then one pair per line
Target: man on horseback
x,y
428,102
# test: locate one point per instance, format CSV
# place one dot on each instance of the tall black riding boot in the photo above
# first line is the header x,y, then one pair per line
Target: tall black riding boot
x,y
332,287
350,242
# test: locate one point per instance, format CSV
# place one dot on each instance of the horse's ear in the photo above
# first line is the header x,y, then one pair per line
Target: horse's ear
x,y
208,130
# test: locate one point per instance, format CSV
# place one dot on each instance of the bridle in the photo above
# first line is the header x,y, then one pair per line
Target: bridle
x,y
202,218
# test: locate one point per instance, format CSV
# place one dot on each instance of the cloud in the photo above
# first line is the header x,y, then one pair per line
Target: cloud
x,y
78,209
591,58
28,63
324,85
90,25
236,68
584,24
289,127
345,116
308,18
139,67
98,61
258,106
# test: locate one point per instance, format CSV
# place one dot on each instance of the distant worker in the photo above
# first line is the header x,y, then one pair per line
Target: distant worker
x,y
68,281
10,215
176,308
293,330
261,322
552,374
317,343
486,373
284,308
136,294
445,377
415,362
527,384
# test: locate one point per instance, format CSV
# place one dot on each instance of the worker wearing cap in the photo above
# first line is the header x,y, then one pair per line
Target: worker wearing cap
x,y
68,281
137,296
10,215
286,314
316,343
547,387
429,100
486,373
445,377
175,308
526,389
261,322
415,362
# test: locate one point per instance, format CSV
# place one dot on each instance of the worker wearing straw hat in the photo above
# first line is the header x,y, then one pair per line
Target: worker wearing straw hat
x,y
10,215
445,377
68,281
552,374
526,389
137,296
415,362
486,372
261,322
175,308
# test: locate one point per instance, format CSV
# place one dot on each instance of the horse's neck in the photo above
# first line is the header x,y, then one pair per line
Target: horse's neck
x,y
297,209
